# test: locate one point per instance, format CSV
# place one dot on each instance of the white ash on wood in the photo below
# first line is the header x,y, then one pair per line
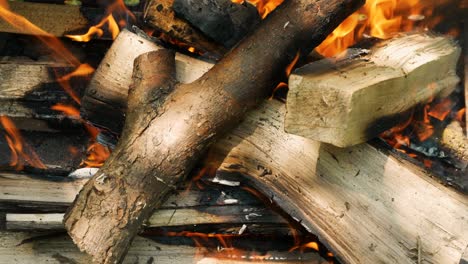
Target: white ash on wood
x,y
347,101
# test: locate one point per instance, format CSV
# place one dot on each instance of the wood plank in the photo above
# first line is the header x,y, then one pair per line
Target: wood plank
x,y
57,20
365,205
23,247
347,101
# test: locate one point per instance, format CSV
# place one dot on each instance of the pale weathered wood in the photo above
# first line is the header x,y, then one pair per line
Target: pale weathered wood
x,y
59,249
365,205
346,101
31,80
454,142
105,99
57,20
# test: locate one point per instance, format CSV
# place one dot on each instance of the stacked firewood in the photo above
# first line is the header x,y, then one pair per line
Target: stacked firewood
x,y
308,157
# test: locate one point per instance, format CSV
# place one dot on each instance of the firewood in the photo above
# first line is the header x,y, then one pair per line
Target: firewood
x,y
465,24
41,248
160,15
58,20
32,80
365,205
164,137
105,99
454,142
221,20
37,116
38,202
348,101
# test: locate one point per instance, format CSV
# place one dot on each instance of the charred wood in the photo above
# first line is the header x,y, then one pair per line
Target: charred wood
x,y
164,138
347,101
221,20
160,15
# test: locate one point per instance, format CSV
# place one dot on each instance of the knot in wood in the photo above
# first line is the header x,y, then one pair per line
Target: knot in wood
x,y
103,183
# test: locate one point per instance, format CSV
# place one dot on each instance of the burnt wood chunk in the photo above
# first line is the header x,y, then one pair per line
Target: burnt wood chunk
x,y
160,16
222,20
347,101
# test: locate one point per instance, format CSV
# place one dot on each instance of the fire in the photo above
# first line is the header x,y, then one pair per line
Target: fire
x,y
117,9
264,7
64,81
380,19
19,148
97,154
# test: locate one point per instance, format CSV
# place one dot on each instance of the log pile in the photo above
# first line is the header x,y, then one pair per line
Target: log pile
x,y
174,114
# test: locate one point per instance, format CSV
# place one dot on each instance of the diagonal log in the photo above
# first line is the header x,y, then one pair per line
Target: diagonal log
x,y
163,139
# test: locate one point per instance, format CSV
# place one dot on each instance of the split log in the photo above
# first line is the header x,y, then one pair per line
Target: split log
x,y
38,202
33,81
58,20
163,139
221,20
160,15
105,99
348,101
42,248
454,142
364,205
37,116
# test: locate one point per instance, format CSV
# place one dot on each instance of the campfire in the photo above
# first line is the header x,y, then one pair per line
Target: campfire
x,y
231,131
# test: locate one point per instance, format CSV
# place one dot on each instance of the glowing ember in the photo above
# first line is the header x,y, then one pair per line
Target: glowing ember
x,y
19,148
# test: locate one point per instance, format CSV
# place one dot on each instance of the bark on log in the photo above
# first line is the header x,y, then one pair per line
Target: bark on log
x,y
222,20
364,205
348,101
160,15
162,140
105,99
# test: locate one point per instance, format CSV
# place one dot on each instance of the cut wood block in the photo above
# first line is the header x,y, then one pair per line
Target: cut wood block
x,y
54,19
105,98
454,142
347,101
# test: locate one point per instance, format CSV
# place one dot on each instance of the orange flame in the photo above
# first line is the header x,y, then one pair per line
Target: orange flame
x,y
119,9
379,19
64,81
97,154
264,7
19,147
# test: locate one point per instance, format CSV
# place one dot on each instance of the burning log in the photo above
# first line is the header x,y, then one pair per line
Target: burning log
x,y
38,202
222,20
105,99
163,139
41,248
160,15
347,101
354,197
58,20
455,143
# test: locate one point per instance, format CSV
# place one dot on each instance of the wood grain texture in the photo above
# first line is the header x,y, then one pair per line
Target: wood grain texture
x,y
365,205
57,20
347,101
30,247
